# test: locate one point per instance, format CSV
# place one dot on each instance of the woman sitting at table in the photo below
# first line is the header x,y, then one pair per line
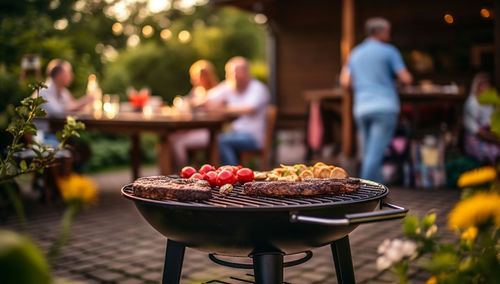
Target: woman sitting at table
x,y
203,78
480,142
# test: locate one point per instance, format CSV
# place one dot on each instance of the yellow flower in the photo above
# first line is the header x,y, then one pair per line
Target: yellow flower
x,y
474,211
470,234
477,176
77,187
432,280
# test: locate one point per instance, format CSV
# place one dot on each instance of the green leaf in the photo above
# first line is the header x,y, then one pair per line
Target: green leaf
x,y
410,225
26,101
428,221
40,112
12,129
23,165
30,129
37,152
38,101
489,97
22,111
495,122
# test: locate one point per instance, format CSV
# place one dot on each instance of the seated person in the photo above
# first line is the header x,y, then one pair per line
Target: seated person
x,y
59,99
247,98
480,142
203,79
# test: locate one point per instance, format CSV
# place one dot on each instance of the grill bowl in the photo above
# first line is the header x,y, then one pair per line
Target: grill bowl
x,y
239,225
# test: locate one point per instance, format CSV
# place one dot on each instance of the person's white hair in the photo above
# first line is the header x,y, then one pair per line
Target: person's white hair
x,y
478,79
375,25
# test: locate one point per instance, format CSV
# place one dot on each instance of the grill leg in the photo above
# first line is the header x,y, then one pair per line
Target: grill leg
x,y
268,268
174,258
341,251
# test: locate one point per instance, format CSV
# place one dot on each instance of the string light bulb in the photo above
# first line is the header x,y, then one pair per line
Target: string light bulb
x,y
485,13
448,18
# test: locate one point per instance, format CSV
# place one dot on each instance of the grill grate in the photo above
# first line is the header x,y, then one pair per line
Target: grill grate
x,y
236,199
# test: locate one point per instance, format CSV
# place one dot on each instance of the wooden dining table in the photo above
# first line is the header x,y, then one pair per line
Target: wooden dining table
x,y
135,123
342,101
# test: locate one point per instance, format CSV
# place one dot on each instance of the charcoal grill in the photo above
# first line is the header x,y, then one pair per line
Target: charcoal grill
x,y
264,228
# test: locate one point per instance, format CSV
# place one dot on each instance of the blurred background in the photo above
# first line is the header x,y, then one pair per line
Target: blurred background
x,y
127,43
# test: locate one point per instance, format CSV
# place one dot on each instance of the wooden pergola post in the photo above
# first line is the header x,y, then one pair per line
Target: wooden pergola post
x,y
346,44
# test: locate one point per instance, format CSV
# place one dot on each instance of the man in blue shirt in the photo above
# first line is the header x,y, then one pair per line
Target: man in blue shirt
x,y
371,71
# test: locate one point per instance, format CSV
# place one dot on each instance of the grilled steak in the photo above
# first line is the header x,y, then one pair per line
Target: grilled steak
x,y
163,187
303,188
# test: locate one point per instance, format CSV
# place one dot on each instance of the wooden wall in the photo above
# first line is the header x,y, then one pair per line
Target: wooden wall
x,y
307,51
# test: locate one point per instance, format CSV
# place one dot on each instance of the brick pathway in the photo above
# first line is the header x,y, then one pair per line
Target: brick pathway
x,y
111,243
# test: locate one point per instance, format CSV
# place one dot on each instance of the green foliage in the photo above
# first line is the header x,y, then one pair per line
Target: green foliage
x,y
111,151
163,70
491,97
21,125
473,260
21,261
217,35
108,152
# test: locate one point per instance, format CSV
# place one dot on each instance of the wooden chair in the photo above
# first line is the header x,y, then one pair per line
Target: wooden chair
x,y
265,153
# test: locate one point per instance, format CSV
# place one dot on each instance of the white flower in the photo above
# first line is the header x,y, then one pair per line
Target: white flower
x,y
383,263
397,244
397,249
384,246
394,254
409,248
394,251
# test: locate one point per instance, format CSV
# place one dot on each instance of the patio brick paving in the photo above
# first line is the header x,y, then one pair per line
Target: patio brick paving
x,y
111,243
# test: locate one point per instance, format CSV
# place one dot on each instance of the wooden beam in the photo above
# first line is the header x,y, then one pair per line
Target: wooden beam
x,y
346,44
347,26
496,31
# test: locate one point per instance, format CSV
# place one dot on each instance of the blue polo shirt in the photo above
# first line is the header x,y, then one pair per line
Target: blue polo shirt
x,y
373,65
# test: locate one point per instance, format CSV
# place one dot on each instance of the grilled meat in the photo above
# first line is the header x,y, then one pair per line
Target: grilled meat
x,y
163,187
307,187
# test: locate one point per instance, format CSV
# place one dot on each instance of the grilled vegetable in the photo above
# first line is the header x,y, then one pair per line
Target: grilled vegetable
x,y
226,189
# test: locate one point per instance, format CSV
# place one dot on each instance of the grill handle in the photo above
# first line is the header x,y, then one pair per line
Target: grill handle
x,y
396,212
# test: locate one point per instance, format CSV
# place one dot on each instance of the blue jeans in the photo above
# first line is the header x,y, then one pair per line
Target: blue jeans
x,y
377,130
233,142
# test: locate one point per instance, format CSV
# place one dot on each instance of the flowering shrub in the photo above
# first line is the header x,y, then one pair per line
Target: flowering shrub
x,y
475,258
20,259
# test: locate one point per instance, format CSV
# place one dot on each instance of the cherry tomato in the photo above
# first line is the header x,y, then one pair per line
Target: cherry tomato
x,y
234,169
206,168
211,177
244,175
197,175
225,177
187,172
